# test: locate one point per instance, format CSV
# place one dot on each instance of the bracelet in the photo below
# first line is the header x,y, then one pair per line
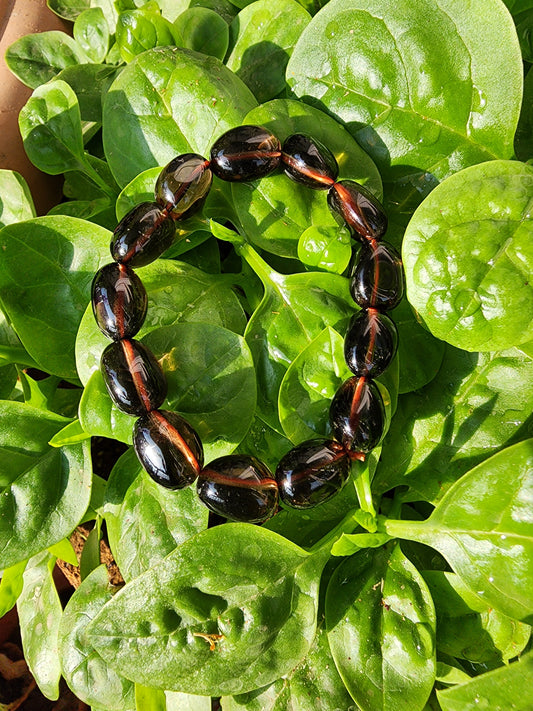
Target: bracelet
x,y
239,486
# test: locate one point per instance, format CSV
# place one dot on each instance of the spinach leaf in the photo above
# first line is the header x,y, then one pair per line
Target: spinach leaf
x,y
91,32
484,529
203,30
16,203
145,521
523,142
45,491
144,123
261,65
468,257
230,609
381,629
86,673
45,280
414,83
265,443
71,9
498,690
89,82
98,415
476,405
142,29
11,584
37,58
39,610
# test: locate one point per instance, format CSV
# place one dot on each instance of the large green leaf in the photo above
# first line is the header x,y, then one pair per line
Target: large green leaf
x,y
414,81
145,521
46,272
203,30
468,257
16,203
484,528
151,110
44,490
381,628
230,609
86,673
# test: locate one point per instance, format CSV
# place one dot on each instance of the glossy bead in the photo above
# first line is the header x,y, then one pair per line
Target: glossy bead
x,y
168,448
377,277
183,185
238,487
119,301
358,208
245,153
370,343
312,473
142,235
357,415
133,377
306,160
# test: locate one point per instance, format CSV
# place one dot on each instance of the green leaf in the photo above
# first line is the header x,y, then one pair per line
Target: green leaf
x,y
506,688
37,58
484,529
275,212
86,673
203,30
71,9
99,417
176,701
64,551
142,29
524,27
523,142
381,629
314,685
326,248
230,609
45,280
476,405
16,203
11,584
50,125
414,81
39,610
261,64
468,257
144,121
45,491
147,699
70,434
91,32
265,443
145,521
90,83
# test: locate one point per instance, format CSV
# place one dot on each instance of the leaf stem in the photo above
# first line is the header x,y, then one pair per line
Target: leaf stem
x,y
267,275
361,480
347,525
97,179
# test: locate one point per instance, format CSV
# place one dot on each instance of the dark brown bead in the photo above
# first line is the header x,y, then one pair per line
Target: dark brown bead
x,y
168,448
245,153
306,160
312,473
183,185
238,487
358,208
377,277
142,235
133,377
357,415
370,343
119,301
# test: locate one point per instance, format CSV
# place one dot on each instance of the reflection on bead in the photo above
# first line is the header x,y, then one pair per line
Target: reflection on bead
x,y
119,301
142,235
357,415
312,473
307,161
183,185
358,208
245,153
370,343
133,377
377,277
168,448
238,487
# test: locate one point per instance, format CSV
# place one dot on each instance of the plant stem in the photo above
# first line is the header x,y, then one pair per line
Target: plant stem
x,y
361,481
347,525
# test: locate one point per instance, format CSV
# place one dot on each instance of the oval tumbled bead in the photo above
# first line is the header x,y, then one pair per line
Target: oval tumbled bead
x,y
238,487
119,301
245,153
183,185
133,377
312,473
142,235
168,448
357,415
377,277
370,343
307,161
358,208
